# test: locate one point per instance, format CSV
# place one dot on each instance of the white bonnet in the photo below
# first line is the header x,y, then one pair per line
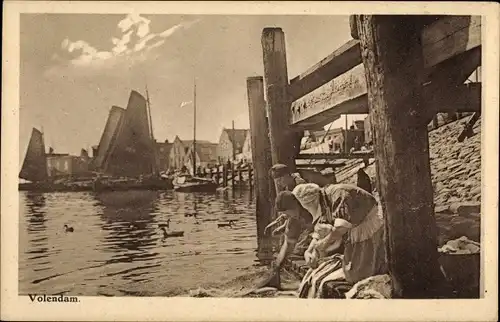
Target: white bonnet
x,y
308,196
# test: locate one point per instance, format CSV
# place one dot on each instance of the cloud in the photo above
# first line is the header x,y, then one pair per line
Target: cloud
x,y
133,45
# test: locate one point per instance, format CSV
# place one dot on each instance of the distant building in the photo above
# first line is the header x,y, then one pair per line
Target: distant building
x,y
206,155
368,129
316,138
246,153
228,140
163,153
178,151
65,165
333,140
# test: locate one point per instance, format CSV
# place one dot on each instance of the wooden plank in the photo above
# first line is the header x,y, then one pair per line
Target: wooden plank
x,y
346,94
449,37
335,64
463,98
335,156
443,40
402,151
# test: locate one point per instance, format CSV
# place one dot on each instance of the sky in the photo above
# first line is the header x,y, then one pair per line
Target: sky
x,y
74,67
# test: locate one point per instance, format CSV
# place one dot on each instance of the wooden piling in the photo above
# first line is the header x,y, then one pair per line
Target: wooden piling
x,y
261,161
233,181
224,175
284,143
393,62
250,181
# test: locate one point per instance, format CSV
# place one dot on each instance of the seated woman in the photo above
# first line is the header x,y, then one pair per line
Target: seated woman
x,y
345,213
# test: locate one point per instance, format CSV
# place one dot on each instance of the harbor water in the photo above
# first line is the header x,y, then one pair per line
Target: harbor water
x,y
116,248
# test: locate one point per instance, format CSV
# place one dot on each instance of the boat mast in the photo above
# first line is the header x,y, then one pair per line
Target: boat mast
x,y
234,143
153,166
194,129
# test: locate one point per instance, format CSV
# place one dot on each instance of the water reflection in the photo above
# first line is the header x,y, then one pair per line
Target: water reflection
x,y
117,248
129,219
36,202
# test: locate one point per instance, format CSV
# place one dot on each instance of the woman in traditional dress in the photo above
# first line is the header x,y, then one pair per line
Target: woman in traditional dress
x,y
345,213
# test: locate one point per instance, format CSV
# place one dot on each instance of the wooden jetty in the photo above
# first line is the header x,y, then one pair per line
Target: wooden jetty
x,y
402,70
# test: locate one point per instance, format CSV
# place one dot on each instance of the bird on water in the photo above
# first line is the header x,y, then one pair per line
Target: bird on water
x,y
228,224
68,229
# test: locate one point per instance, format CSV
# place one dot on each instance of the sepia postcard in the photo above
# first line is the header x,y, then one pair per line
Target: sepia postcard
x,y
249,161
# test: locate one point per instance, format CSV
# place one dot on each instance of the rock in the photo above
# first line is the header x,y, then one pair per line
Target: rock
x,y
438,186
265,290
440,209
465,208
476,190
374,287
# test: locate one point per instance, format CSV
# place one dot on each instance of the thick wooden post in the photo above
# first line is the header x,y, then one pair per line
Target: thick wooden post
x,y
224,175
392,56
283,140
250,174
261,161
233,181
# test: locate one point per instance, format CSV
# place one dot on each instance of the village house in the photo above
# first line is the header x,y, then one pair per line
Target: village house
x,y
163,153
65,165
246,153
206,155
231,139
334,140
178,151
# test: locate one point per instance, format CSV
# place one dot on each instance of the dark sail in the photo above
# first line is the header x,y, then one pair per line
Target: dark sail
x,y
34,167
108,136
131,154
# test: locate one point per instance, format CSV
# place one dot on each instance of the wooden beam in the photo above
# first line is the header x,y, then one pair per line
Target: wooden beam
x,y
261,159
346,94
443,40
350,97
390,48
335,156
335,64
462,98
449,37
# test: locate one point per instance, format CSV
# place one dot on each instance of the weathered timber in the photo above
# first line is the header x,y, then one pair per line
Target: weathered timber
x,y
284,143
335,156
261,160
459,99
391,53
449,37
337,63
348,96
442,40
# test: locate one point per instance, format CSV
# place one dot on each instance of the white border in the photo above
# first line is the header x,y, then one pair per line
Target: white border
x,y
14,307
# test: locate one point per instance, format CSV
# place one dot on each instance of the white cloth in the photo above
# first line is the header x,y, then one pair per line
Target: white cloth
x,y
308,196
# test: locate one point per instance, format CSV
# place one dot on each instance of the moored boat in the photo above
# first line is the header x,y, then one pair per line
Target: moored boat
x,y
188,183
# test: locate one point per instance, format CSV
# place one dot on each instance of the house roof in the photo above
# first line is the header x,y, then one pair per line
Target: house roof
x,y
188,143
239,136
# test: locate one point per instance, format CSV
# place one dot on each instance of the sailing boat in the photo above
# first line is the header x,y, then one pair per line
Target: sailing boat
x,y
128,147
34,167
191,183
